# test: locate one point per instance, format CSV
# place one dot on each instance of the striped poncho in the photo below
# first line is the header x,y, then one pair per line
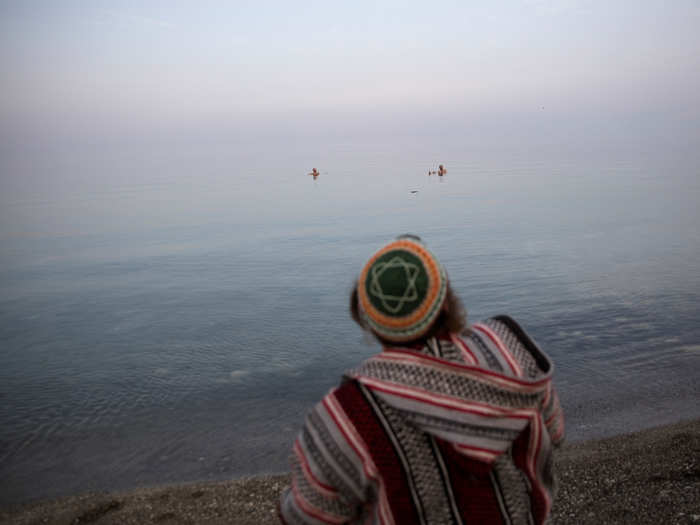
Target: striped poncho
x,y
459,431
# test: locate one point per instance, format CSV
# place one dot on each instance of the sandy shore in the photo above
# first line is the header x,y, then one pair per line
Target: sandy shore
x,y
646,477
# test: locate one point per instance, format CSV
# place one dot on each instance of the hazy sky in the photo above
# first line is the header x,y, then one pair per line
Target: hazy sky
x,y
90,66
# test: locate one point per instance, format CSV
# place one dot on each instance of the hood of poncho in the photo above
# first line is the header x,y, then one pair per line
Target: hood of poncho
x,y
479,410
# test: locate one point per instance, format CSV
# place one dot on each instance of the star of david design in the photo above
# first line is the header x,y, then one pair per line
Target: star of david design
x,y
410,293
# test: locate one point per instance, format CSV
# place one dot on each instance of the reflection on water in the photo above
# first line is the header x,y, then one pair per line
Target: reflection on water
x,y
168,327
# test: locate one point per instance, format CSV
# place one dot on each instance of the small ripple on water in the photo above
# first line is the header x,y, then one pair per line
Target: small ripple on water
x,y
656,358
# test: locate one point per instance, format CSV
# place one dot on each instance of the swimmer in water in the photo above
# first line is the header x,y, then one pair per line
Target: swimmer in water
x,y
441,170
314,173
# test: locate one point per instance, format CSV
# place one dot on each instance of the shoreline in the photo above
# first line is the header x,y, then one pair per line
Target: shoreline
x,y
650,476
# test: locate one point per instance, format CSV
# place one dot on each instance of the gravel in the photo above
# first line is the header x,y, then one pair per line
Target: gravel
x,y
648,477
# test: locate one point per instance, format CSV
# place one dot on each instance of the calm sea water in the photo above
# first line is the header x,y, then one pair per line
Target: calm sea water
x,y
168,318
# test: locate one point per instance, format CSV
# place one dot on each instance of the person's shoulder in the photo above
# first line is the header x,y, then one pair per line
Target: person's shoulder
x,y
348,384
348,403
347,387
511,330
508,322
501,325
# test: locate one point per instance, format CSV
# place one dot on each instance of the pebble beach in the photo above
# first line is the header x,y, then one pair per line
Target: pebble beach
x,y
647,477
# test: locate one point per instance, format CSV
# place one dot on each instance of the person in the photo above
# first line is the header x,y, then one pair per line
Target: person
x,y
314,173
449,423
441,170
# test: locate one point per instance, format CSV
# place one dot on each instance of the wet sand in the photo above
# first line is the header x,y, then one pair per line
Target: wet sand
x,y
650,477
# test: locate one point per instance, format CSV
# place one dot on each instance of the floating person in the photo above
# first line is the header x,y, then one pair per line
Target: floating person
x,y
441,170
449,423
314,173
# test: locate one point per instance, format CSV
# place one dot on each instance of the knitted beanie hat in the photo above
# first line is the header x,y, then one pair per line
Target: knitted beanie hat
x,y
401,289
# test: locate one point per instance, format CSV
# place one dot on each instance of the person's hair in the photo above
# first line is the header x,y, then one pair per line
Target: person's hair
x,y
452,319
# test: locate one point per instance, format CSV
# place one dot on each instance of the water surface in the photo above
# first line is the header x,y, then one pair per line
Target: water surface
x,y
171,318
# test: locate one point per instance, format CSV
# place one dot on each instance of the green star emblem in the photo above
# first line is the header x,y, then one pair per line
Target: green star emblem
x,y
397,283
